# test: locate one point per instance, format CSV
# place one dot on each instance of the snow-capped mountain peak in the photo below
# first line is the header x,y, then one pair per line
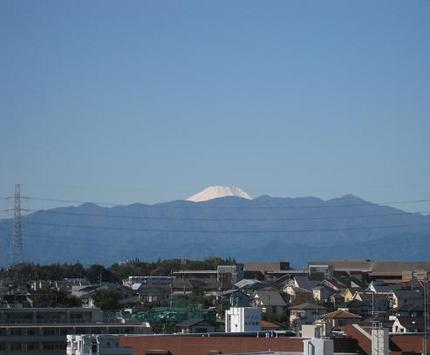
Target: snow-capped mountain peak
x,y
212,192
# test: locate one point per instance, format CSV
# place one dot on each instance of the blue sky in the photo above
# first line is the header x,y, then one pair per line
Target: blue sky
x,y
151,101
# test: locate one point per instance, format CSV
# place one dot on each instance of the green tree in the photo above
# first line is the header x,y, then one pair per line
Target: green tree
x,y
51,297
96,273
107,299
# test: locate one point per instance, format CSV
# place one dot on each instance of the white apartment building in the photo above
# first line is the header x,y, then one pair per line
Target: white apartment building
x,y
242,319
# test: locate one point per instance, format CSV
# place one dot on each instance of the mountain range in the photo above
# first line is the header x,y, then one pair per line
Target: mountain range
x,y
265,228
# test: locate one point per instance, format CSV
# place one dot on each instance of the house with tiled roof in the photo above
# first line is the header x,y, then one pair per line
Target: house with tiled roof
x,y
407,324
306,313
340,318
299,284
405,297
196,325
270,300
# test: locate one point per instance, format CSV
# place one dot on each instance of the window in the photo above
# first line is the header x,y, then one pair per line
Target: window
x,y
32,346
16,346
49,331
15,332
53,346
32,331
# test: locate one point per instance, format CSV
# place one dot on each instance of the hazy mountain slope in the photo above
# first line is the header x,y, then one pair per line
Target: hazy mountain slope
x,y
296,229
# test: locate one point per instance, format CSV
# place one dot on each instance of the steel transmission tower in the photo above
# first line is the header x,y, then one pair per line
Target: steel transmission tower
x,y
16,253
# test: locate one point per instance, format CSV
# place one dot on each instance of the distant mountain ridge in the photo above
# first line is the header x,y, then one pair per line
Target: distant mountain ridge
x,y
264,228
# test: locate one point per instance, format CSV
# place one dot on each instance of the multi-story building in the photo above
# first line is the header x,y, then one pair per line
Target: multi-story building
x,y
228,275
44,330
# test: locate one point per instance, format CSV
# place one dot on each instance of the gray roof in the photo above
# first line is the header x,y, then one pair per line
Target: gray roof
x,y
409,294
190,322
244,283
270,298
385,288
153,290
305,283
307,306
412,324
180,283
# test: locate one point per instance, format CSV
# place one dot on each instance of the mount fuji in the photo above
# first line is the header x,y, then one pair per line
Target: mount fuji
x,y
213,192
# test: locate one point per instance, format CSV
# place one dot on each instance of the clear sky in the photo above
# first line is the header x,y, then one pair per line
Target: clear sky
x,y
148,101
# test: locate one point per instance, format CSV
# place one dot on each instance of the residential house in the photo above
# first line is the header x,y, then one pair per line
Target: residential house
x,y
378,302
266,325
147,280
382,288
196,325
348,294
322,293
249,285
270,301
154,295
181,286
299,284
361,308
404,297
306,313
340,318
411,311
407,324
236,298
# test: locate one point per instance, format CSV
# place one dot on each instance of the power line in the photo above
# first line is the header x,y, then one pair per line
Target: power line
x,y
199,204
225,219
70,201
227,231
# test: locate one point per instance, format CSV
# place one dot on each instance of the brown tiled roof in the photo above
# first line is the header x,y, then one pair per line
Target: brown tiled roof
x,y
340,314
264,324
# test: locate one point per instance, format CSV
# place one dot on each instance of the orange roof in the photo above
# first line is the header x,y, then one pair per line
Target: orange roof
x,y
339,314
264,324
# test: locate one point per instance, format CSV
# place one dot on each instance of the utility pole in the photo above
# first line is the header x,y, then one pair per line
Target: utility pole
x,y
16,252
171,289
426,300
425,288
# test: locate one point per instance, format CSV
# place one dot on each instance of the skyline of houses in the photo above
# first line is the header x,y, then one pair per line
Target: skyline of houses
x,y
336,293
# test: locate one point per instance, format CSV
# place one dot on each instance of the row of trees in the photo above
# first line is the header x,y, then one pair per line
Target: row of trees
x,y
25,272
